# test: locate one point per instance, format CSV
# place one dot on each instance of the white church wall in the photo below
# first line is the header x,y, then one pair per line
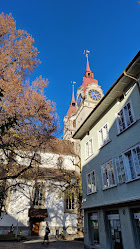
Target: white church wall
x,y
18,208
49,160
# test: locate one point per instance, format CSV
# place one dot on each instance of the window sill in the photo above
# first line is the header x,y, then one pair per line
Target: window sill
x,y
70,211
110,187
126,128
88,157
92,193
96,247
105,144
132,180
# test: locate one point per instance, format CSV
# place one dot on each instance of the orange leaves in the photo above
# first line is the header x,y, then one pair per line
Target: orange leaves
x,y
16,49
27,101
24,100
7,24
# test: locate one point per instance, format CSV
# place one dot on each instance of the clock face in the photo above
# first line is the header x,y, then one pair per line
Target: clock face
x,y
79,99
94,94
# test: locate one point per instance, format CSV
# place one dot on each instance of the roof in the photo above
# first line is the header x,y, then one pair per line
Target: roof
x,y
58,146
48,173
115,90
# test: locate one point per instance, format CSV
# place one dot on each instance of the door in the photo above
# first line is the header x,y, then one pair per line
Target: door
x,y
94,230
35,228
115,229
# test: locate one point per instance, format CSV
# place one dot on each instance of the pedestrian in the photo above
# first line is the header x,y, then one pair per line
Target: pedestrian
x,y
12,229
62,235
47,231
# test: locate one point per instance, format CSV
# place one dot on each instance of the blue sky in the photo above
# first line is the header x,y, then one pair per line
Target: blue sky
x,y
64,29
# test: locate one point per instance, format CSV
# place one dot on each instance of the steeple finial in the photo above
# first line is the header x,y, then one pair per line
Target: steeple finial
x,y
87,68
86,52
73,98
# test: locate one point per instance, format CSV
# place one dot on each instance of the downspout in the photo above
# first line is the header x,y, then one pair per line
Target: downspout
x,y
131,77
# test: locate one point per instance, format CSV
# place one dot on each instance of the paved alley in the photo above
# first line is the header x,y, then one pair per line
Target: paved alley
x,y
37,244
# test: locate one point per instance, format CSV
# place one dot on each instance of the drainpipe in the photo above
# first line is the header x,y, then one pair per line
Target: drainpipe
x,y
131,77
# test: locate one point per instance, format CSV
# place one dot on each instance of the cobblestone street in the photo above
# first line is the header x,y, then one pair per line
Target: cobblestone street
x,y
37,244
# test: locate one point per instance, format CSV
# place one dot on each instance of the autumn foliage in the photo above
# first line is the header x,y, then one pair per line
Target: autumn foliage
x,y
27,118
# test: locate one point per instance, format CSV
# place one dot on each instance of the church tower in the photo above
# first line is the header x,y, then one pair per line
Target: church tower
x,y
69,119
88,96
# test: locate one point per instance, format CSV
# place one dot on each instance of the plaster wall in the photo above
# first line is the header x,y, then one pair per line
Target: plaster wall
x,y
50,160
117,145
19,205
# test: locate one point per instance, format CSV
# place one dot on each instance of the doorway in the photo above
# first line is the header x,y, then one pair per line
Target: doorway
x,y
115,230
35,225
35,228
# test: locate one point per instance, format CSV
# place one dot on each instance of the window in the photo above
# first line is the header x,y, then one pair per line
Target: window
x,y
38,196
91,184
69,201
132,159
74,123
103,135
125,117
108,178
120,168
60,162
89,148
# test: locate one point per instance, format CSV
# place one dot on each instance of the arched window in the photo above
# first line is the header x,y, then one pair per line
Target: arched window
x,y
60,162
69,201
38,195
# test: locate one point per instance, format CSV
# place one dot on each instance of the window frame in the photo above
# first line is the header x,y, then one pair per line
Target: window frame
x,y
93,186
101,144
127,165
60,166
40,200
125,171
87,155
73,203
108,175
125,117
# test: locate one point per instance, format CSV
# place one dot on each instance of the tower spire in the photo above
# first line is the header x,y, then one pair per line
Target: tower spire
x,y
88,77
88,67
73,98
72,108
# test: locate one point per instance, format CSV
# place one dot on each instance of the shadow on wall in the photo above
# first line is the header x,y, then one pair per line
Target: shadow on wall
x,y
59,220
